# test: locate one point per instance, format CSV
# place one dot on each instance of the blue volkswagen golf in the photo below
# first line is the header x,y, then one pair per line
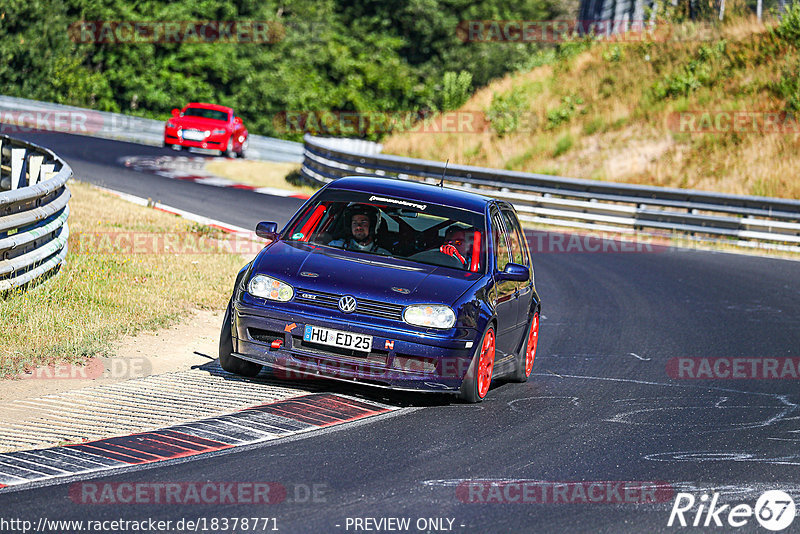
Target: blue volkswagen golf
x,y
389,283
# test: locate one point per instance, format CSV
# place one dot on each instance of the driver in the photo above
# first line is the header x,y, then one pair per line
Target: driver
x,y
363,223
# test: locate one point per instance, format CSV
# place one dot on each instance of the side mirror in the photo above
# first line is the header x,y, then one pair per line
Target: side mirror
x,y
176,112
237,120
515,272
267,230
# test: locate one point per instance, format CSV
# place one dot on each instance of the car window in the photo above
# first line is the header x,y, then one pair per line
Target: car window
x,y
516,236
400,228
205,113
501,248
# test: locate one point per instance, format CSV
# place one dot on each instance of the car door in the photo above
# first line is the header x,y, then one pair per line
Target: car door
x,y
519,254
506,307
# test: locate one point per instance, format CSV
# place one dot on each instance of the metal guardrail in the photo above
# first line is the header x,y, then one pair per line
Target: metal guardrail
x,y
33,212
23,114
576,203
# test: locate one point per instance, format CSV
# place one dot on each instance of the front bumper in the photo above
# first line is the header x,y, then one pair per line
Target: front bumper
x,y
400,358
214,142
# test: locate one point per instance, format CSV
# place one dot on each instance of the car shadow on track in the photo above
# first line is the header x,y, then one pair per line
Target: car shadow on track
x,y
401,399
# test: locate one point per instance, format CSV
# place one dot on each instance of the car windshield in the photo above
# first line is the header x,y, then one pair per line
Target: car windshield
x,y
206,113
399,228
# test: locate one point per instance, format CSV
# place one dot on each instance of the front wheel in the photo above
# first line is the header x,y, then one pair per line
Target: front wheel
x,y
524,364
231,363
243,150
479,375
229,149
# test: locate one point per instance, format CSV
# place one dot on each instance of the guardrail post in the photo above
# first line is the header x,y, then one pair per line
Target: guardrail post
x,y
17,168
34,169
47,170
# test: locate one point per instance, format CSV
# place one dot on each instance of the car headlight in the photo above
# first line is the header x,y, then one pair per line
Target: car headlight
x,y
219,131
430,315
170,124
270,288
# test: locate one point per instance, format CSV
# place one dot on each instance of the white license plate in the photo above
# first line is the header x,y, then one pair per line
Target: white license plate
x,y
194,135
337,338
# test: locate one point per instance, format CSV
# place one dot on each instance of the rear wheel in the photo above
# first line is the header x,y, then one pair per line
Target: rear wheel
x,y
231,363
525,361
479,375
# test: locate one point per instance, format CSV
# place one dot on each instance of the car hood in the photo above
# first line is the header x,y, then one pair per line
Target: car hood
x,y
362,275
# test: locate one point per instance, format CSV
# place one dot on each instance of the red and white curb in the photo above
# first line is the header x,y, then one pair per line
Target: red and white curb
x,y
253,425
193,169
225,227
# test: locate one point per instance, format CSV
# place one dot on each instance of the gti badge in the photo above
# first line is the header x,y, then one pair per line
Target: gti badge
x,y
309,275
402,290
347,304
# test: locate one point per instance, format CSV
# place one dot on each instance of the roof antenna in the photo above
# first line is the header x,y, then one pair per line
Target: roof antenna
x,y
441,182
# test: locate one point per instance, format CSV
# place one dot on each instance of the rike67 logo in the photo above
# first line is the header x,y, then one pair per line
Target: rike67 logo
x,y
774,510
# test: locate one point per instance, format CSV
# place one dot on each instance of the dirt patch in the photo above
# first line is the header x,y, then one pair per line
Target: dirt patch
x,y
620,155
266,174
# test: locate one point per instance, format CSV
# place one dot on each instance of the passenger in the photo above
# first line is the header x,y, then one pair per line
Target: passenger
x,y
363,221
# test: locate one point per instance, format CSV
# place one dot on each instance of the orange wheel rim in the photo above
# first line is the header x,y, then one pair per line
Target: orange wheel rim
x,y
486,364
533,338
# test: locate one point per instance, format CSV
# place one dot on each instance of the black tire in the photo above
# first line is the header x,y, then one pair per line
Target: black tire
x,y
231,363
472,388
229,150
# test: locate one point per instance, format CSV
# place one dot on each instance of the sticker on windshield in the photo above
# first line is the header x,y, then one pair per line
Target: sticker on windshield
x,y
420,207
298,235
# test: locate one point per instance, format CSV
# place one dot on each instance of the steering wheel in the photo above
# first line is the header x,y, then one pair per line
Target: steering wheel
x,y
451,250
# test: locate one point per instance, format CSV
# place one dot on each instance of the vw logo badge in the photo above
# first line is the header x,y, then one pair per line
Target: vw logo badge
x,y
347,304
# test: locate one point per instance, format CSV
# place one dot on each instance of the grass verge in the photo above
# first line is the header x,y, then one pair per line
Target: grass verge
x,y
129,269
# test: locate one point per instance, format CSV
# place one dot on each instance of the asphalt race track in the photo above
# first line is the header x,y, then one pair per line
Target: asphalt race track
x,y
605,403
98,161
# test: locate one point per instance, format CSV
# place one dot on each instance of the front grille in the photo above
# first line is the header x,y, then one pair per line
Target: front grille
x,y
369,308
376,356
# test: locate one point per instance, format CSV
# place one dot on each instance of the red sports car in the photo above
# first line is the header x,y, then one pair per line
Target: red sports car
x,y
206,126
